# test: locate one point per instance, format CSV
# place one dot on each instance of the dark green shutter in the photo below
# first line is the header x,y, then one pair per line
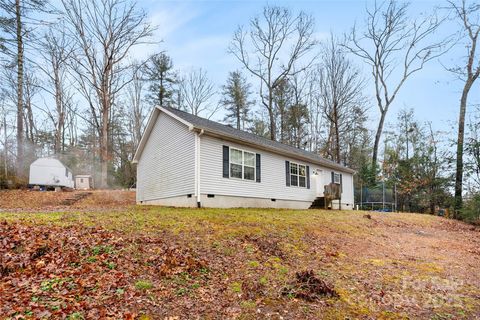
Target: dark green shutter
x,y
226,161
308,177
287,172
333,177
257,163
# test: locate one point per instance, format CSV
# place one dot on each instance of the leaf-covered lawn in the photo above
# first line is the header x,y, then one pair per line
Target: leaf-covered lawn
x,y
24,200
165,263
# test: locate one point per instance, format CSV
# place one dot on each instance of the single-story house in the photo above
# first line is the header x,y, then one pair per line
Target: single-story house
x,y
187,161
50,172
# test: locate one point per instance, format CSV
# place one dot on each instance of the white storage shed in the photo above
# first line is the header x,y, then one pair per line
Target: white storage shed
x,y
50,172
83,182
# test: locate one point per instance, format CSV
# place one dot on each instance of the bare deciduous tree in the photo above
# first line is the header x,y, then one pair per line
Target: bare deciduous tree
x,y
14,24
56,52
341,93
196,91
395,48
31,88
270,49
313,101
136,109
469,18
104,31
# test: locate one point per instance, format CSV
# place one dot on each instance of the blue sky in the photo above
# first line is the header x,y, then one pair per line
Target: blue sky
x,y
197,34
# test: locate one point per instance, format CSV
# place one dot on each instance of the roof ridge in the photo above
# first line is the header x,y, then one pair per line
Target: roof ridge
x,y
252,136
247,132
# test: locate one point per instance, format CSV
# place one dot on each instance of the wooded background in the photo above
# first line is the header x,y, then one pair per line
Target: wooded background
x,y
71,88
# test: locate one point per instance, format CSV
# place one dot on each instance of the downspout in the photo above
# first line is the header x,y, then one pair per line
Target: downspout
x,y
198,134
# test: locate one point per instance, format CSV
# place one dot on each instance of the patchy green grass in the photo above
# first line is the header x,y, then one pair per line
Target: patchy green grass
x,y
392,266
222,223
143,285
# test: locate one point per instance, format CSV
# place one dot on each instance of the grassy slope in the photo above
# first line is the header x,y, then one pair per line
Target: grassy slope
x,y
390,266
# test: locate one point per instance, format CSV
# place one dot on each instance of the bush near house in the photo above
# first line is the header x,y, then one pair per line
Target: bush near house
x,y
471,209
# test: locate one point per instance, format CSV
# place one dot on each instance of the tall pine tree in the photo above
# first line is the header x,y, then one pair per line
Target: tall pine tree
x,y
236,100
159,72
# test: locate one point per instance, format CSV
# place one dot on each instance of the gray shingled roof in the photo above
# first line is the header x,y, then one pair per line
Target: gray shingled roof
x,y
243,136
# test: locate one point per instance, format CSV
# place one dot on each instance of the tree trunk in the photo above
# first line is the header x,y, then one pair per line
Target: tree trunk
x,y
273,127
60,123
432,200
328,147
5,144
281,111
337,135
461,133
20,142
104,150
104,135
238,117
30,123
160,91
378,136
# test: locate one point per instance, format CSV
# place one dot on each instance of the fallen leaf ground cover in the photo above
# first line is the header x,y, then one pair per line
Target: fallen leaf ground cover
x,y
166,263
25,200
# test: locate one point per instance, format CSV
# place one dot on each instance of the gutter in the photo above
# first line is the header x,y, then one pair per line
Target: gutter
x,y
198,134
327,164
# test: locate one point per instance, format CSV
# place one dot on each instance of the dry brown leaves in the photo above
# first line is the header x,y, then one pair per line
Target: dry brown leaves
x,y
57,272
22,199
267,245
25,200
308,287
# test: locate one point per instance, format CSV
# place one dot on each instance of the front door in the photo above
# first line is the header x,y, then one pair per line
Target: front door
x,y
318,183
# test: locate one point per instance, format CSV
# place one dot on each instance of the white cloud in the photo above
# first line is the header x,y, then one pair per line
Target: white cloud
x,y
167,19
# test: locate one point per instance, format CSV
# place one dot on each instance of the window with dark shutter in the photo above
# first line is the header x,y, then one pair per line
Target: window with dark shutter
x,y
336,178
287,173
258,168
297,175
226,161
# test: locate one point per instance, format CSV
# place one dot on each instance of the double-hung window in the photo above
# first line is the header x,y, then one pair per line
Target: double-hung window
x,y
242,164
298,175
336,178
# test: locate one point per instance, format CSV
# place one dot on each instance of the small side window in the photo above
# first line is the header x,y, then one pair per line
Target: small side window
x,y
336,178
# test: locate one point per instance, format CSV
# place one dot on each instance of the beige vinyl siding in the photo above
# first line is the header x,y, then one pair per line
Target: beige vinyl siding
x,y
166,167
272,185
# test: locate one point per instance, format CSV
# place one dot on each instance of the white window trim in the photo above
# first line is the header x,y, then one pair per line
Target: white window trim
x,y
243,165
298,175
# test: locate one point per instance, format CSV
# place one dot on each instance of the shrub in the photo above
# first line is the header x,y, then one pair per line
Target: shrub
x,y
471,209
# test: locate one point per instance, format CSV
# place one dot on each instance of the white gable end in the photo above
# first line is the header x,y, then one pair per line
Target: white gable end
x,y
166,165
